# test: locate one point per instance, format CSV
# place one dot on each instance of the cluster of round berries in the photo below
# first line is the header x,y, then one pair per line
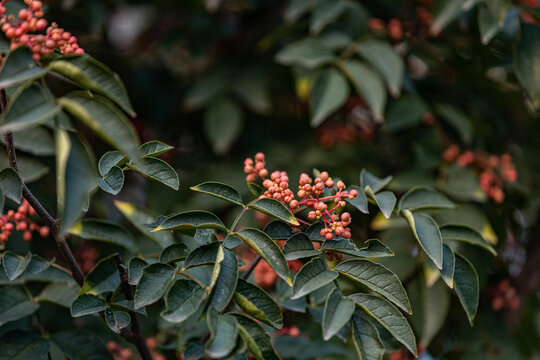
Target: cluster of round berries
x,y
23,31
121,353
394,28
311,194
277,187
18,220
505,297
257,169
492,170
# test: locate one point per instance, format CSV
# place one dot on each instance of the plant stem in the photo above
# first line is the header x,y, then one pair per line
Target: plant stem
x,y
252,267
51,222
137,338
188,275
135,335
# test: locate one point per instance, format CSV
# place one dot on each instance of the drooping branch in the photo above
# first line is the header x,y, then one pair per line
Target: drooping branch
x,y
137,337
50,221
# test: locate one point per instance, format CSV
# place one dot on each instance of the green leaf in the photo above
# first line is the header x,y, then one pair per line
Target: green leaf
x,y
59,293
325,13
36,141
206,87
182,300
102,278
23,345
375,183
385,200
14,265
487,24
360,201
15,304
257,303
278,230
268,250
226,282
299,246
296,8
457,120
381,55
173,253
222,124
76,177
157,170
274,208
109,160
89,73
430,309
20,67
117,320
424,198
255,189
257,340
467,235
220,256
377,278
312,275
202,255
138,216
448,12
135,270
367,84
449,261
366,339
373,249
467,286
113,181
308,53
191,220
30,108
127,305
253,89
79,344
337,312
93,229
389,317
102,117
223,334
405,113
11,184
330,91
219,190
154,148
87,304
154,282
427,233
527,62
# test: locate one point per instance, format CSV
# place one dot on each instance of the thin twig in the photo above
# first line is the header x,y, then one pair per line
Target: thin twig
x,y
61,242
137,338
251,267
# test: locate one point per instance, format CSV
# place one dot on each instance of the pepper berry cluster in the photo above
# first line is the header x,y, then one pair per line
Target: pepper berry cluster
x,y
24,31
492,170
19,220
310,194
257,169
505,297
